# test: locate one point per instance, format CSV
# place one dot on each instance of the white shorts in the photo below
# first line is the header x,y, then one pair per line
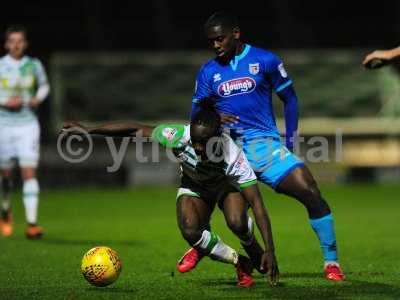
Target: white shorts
x,y
19,142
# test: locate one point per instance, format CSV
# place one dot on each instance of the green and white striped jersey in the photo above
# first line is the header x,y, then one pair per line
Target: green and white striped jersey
x,y
25,78
230,164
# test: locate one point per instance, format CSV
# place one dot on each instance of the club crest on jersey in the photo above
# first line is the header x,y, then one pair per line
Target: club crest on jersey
x,y
217,77
254,69
236,86
169,133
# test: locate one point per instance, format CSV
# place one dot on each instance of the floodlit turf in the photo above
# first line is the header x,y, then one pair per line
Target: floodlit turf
x,y
140,225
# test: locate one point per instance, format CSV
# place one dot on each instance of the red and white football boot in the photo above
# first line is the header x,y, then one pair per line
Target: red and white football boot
x,y
334,272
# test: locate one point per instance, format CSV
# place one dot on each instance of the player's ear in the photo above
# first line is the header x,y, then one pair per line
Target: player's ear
x,y
236,32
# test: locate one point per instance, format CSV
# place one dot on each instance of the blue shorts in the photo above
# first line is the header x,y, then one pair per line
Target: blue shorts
x,y
270,159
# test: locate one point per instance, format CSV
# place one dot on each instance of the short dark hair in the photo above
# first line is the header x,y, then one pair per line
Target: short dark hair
x,y
16,28
222,18
207,115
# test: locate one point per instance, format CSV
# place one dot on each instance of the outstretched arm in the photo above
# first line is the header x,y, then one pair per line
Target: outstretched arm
x,y
269,262
109,129
380,58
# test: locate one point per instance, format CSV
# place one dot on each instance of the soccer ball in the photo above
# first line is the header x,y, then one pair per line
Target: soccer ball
x,y
101,266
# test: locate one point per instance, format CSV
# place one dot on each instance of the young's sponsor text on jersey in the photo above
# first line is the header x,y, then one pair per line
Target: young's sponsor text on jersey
x,y
236,86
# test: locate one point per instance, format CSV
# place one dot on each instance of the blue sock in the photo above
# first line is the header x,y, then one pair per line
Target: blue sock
x,y
324,228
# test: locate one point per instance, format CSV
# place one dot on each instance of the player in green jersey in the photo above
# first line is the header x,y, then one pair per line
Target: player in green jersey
x,y
23,87
214,171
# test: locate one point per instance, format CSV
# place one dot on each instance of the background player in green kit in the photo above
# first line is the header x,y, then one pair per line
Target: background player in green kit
x,y
214,171
23,87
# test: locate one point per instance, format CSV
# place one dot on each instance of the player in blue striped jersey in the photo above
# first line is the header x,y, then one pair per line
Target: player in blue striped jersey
x,y
242,78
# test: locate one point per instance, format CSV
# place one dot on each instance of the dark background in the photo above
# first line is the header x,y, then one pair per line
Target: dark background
x,y
158,24
153,25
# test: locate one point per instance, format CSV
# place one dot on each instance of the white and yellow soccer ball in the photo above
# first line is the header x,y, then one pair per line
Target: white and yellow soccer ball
x,y
101,266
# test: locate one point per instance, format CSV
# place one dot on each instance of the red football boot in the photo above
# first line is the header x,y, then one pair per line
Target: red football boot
x,y
6,223
243,270
334,272
189,260
34,232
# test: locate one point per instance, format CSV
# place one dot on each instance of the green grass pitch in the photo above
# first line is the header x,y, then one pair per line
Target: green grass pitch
x,y
140,225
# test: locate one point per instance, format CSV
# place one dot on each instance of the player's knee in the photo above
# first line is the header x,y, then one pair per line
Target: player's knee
x,y
190,231
315,204
6,174
310,194
28,173
6,183
238,225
